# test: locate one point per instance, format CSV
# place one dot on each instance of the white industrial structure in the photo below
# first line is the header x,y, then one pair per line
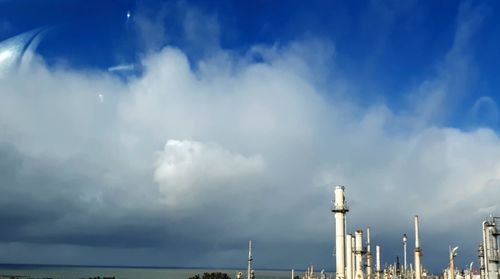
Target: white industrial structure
x,y
377,260
453,254
368,255
250,273
349,250
340,209
353,257
452,272
353,261
418,251
348,258
405,266
359,254
489,251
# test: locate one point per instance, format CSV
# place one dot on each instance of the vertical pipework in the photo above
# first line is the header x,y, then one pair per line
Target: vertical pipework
x,y
339,209
345,247
249,268
377,261
353,257
359,254
368,255
453,254
418,251
481,262
348,258
452,264
490,250
485,247
491,253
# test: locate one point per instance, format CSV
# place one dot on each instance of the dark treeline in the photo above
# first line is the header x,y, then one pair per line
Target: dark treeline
x,y
212,275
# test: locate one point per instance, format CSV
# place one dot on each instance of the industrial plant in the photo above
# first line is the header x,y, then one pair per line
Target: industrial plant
x,y
353,254
488,256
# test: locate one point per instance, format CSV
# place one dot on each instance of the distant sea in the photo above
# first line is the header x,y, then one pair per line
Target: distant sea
x,y
77,272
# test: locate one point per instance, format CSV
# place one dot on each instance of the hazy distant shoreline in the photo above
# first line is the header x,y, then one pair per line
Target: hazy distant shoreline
x,y
140,267
125,272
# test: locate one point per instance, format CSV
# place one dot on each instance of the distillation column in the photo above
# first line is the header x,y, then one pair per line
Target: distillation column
x,y
348,257
494,250
491,252
418,251
368,255
359,254
377,260
339,209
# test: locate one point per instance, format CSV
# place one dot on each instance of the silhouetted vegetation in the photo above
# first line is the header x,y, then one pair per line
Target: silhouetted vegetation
x,y
212,275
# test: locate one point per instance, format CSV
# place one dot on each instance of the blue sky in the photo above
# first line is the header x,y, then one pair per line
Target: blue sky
x,y
147,129
388,47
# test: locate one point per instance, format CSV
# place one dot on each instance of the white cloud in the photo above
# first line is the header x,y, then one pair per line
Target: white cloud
x,y
122,68
190,172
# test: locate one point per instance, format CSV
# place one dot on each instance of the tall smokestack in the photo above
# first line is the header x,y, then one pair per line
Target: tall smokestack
x,y
339,209
348,257
368,255
359,254
377,259
405,267
418,251
249,270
